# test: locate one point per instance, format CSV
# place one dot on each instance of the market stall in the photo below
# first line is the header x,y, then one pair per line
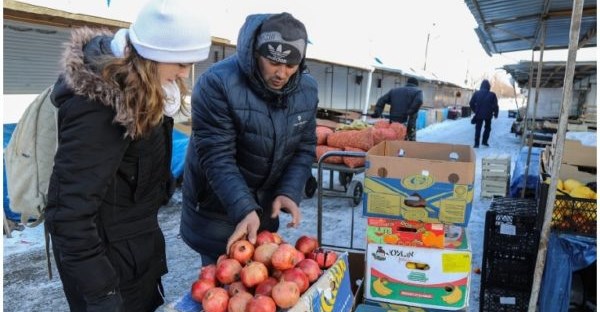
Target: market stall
x,y
506,28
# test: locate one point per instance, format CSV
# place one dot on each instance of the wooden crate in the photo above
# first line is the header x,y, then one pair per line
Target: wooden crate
x,y
494,187
495,167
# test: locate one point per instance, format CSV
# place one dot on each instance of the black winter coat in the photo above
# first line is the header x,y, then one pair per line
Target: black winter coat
x,y
404,102
249,144
105,189
484,102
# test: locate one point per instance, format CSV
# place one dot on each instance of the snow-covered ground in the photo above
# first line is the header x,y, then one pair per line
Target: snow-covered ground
x,y
27,287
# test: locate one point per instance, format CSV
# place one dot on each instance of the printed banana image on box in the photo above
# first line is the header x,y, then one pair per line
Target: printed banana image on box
x,y
415,276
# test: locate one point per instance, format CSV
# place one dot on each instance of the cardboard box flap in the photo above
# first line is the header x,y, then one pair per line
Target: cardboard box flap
x,y
425,159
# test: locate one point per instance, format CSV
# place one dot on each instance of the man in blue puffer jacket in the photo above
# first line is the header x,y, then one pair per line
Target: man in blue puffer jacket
x,y
253,138
484,104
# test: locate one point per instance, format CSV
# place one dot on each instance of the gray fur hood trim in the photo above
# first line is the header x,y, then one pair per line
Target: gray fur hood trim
x,y
82,73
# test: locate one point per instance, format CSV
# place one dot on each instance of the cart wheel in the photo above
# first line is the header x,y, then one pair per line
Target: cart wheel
x,y
310,187
344,178
355,192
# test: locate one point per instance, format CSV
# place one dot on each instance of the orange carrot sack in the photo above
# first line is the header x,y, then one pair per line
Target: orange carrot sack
x,y
322,149
381,124
362,139
382,134
322,133
354,162
400,130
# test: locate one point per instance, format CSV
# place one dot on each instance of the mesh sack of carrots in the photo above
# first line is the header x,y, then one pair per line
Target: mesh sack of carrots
x,y
362,139
381,123
322,149
400,130
382,134
353,162
322,133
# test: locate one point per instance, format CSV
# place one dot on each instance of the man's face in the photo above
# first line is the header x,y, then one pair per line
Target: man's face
x,y
275,74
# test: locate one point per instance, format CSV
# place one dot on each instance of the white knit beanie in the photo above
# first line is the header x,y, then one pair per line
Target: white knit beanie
x,y
171,31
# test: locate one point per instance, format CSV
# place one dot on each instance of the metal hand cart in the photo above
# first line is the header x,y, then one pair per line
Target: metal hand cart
x,y
353,189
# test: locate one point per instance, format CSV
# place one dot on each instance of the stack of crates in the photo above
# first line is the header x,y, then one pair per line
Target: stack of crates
x,y
511,241
495,176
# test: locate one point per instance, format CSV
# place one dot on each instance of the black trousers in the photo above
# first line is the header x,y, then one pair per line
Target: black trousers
x,y
145,295
486,130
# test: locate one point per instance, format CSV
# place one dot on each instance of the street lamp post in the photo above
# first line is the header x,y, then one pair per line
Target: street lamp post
x,y
427,48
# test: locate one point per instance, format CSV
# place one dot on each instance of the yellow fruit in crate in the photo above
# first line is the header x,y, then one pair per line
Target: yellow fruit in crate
x,y
571,184
582,191
560,185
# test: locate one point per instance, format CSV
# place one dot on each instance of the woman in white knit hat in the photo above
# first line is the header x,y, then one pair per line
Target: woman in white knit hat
x,y
116,97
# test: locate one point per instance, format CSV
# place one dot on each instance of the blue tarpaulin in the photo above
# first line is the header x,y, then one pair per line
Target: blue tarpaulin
x,y
421,119
566,254
180,143
533,174
8,130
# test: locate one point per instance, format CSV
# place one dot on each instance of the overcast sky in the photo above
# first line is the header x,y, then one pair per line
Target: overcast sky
x,y
351,32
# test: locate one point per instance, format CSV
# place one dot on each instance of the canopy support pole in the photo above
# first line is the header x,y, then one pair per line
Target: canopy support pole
x,y
567,98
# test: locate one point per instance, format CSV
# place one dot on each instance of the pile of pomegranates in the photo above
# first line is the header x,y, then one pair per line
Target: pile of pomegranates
x,y
263,276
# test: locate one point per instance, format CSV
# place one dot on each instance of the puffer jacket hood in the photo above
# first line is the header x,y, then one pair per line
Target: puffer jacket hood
x,y
485,85
81,66
249,66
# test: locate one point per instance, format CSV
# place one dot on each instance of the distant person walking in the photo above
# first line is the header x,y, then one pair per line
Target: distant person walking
x,y
484,104
405,103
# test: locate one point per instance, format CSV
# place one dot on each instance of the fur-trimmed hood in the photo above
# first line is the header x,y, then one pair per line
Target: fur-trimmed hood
x,y
81,66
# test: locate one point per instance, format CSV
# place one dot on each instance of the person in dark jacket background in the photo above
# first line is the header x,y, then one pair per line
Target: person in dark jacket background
x,y
484,104
253,138
405,103
115,99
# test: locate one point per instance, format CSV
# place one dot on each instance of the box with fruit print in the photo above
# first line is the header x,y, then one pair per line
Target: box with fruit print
x,y
415,276
417,234
405,232
428,182
331,292
378,306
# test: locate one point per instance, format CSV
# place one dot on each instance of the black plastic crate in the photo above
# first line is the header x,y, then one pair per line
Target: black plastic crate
x,y
512,226
510,245
570,214
503,300
501,269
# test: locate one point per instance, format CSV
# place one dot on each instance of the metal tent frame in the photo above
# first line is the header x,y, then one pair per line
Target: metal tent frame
x,y
519,25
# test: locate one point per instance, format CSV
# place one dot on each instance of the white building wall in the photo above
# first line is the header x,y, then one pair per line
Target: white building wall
x,y
32,56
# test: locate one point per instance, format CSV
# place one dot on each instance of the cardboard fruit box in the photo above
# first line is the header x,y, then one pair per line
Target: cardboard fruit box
x,y
414,276
405,232
576,154
417,234
378,306
430,182
331,292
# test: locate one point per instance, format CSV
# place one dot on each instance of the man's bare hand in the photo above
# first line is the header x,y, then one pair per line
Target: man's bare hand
x,y
284,203
246,229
